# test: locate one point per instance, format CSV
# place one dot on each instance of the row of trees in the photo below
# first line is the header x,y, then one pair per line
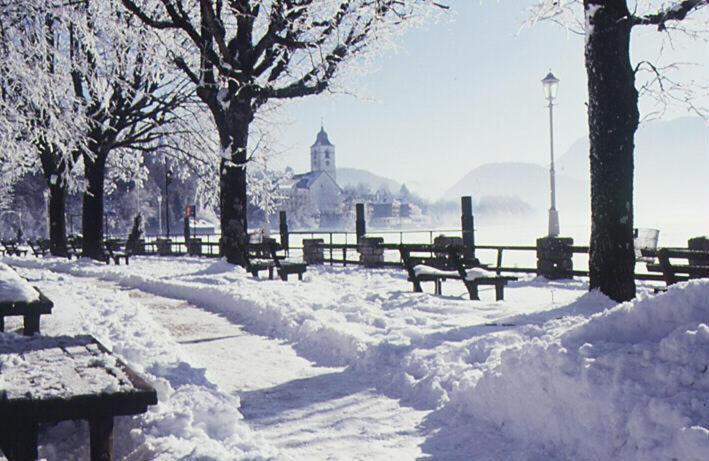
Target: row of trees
x,y
92,83
89,83
84,88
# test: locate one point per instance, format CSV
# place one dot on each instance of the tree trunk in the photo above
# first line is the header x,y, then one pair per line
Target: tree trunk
x,y
613,119
92,213
57,218
234,137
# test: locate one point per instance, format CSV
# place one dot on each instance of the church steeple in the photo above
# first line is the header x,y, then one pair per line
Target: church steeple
x,y
322,154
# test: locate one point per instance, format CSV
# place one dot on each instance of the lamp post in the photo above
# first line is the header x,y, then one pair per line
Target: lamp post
x,y
168,180
551,84
159,215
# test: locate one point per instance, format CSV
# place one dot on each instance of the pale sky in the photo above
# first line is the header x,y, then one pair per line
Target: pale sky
x,y
460,93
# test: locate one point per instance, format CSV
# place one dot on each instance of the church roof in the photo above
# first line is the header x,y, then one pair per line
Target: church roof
x,y
322,139
305,180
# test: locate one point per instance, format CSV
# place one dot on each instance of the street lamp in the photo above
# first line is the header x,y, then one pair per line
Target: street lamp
x,y
551,84
168,180
160,215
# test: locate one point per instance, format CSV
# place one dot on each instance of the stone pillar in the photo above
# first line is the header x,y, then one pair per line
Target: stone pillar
x,y
360,221
283,227
313,251
467,226
371,254
554,257
700,244
194,247
164,247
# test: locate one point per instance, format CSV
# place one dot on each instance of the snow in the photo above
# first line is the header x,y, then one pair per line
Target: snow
x,y
471,274
14,288
42,368
350,364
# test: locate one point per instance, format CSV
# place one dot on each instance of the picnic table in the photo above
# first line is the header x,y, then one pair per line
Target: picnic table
x,y
19,298
52,379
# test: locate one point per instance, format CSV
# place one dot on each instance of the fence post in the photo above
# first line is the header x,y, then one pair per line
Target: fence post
x,y
467,222
283,224
360,223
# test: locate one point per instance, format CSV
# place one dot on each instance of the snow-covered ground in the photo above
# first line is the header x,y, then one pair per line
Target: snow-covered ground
x,y
350,364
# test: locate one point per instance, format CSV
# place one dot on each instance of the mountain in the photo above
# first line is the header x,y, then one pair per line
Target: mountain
x,y
353,177
526,182
671,168
671,185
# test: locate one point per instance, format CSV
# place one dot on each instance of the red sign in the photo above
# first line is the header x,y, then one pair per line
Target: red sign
x,y
190,211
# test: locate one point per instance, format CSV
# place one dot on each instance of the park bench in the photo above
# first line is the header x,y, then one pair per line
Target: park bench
x,y
74,243
431,263
695,264
53,379
115,250
40,248
264,255
19,298
12,247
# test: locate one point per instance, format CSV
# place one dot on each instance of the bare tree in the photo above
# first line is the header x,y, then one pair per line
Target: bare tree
x,y
241,54
613,118
40,125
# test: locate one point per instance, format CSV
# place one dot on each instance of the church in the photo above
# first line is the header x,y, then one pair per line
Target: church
x,y
314,198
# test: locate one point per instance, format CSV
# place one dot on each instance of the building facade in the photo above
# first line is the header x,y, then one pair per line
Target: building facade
x,y
314,199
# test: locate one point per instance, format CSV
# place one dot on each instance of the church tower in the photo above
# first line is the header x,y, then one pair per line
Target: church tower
x,y
322,155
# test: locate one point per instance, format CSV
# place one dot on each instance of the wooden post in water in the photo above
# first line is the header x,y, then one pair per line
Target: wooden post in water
x,y
467,222
283,223
360,223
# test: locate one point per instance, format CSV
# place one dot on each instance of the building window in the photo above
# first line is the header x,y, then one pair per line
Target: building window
x,y
327,163
327,154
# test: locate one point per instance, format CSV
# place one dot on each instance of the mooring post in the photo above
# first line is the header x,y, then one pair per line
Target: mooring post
x,y
361,226
467,222
283,223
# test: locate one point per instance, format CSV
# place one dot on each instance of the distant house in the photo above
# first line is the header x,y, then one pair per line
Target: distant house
x,y
316,193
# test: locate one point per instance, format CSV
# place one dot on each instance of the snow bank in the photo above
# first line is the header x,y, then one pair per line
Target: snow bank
x,y
14,288
629,383
192,420
555,371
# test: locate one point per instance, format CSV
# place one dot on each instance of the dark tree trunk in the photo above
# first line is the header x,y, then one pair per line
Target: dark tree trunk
x,y
54,170
613,119
57,218
234,137
92,213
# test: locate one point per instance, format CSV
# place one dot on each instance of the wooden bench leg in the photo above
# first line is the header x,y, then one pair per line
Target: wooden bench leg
x,y
2,323
473,290
22,445
284,276
499,291
438,287
270,273
300,276
101,429
31,324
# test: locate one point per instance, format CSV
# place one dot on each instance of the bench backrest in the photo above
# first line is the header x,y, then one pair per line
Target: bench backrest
x,y
697,264
116,246
428,255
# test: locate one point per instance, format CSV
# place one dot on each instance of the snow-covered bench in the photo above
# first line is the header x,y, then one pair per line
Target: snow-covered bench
x,y
19,298
428,263
40,247
697,264
116,249
51,379
264,256
13,248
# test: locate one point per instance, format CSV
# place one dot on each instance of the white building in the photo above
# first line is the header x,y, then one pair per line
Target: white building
x,y
315,193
